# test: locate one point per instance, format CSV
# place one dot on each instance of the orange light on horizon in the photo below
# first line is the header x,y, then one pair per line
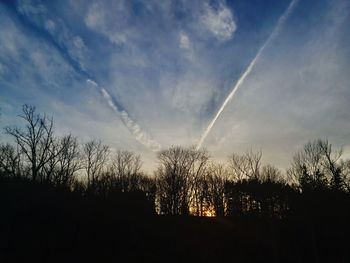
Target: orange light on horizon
x,y
209,212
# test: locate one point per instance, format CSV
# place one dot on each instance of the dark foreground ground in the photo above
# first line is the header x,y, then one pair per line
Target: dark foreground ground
x,y
43,224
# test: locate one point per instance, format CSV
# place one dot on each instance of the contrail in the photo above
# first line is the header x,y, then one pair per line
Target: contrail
x,y
250,67
140,135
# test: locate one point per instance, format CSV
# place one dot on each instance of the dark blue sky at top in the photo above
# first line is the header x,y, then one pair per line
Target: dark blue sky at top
x,y
171,64
256,21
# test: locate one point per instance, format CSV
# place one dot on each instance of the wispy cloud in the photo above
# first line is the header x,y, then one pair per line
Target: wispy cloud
x,y
37,14
142,136
184,40
99,20
167,66
77,51
219,21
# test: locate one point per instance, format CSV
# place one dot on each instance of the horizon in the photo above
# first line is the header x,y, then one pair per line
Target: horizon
x,y
144,75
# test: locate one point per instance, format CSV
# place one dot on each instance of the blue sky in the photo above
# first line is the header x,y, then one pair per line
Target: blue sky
x,y
144,75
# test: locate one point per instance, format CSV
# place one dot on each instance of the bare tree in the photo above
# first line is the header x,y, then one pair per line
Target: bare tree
x,y
245,166
10,160
217,176
178,170
306,166
198,187
270,173
35,140
126,170
317,165
331,164
95,157
172,177
67,162
201,196
346,174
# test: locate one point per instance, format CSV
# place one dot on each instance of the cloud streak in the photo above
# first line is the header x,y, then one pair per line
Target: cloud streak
x,y
140,135
75,54
246,73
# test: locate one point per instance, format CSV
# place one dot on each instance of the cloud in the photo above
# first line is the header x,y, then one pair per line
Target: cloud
x,y
184,40
50,26
98,19
35,73
32,7
95,16
142,136
185,94
77,51
220,22
37,14
2,69
168,66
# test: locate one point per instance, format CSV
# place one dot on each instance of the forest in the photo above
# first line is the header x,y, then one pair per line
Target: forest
x,y
66,200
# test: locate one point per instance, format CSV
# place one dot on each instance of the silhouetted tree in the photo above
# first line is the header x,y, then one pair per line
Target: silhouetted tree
x,y
67,162
245,166
36,140
126,169
243,169
331,164
95,156
176,177
217,176
11,163
318,166
198,187
200,196
270,173
273,193
281,218
307,167
345,165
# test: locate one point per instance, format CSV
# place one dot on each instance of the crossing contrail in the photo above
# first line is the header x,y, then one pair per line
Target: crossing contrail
x,y
140,135
250,67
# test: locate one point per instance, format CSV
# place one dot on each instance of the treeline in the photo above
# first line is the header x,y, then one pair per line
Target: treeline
x,y
186,181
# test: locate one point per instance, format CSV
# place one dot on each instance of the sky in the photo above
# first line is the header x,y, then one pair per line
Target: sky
x,y
145,75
